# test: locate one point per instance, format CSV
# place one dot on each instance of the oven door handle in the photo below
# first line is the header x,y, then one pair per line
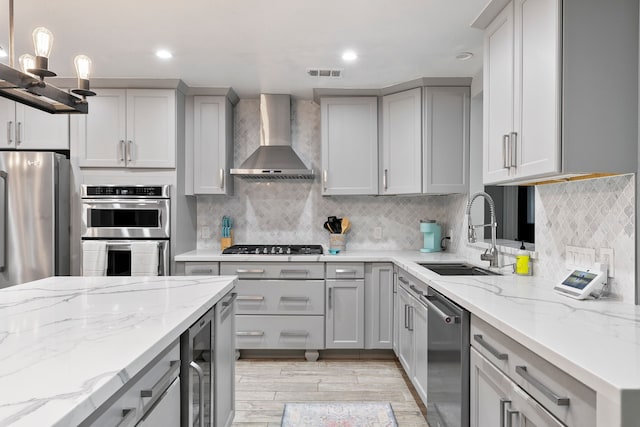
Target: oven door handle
x,y
126,202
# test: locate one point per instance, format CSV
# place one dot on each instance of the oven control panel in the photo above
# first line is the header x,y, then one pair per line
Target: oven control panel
x,y
139,191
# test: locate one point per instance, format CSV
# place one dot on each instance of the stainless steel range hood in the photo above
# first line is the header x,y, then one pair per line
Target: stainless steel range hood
x,y
275,158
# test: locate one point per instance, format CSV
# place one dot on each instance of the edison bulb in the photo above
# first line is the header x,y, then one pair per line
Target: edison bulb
x,y
42,41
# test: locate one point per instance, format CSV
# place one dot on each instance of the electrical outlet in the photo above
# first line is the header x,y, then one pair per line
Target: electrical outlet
x,y
205,231
377,233
577,257
606,258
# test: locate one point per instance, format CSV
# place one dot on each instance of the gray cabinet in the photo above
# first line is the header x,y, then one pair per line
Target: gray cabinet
x,y
397,317
401,144
550,96
27,128
212,145
379,300
446,140
224,361
344,323
349,128
405,335
419,372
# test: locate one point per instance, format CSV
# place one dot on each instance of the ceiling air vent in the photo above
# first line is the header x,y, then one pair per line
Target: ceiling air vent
x,y
324,72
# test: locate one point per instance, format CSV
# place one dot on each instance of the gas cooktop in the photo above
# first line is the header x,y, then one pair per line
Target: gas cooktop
x,y
273,250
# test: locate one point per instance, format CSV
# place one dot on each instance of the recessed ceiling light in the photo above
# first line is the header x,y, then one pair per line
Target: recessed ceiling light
x,y
463,56
349,55
164,54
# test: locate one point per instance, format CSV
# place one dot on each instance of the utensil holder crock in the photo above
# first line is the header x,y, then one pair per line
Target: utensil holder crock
x,y
337,241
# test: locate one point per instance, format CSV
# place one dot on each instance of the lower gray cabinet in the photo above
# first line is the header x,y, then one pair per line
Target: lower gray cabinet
x,y
405,333
419,374
378,297
344,323
224,361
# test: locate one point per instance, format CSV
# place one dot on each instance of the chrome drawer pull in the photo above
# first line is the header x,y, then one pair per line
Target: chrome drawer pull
x,y
203,271
491,349
250,298
129,415
250,333
403,280
294,333
162,384
305,272
560,401
416,290
296,299
345,271
228,302
253,271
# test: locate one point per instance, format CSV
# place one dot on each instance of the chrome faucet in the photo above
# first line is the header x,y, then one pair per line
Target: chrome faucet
x,y
490,254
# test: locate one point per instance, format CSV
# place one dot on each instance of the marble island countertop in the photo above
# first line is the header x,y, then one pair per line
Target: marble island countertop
x,y
596,341
69,343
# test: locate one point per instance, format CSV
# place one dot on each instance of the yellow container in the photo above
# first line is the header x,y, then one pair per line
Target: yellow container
x,y
522,262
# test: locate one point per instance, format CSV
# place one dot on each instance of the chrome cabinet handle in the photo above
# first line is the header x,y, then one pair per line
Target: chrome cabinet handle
x,y
510,414
448,319
491,349
3,219
324,179
250,333
250,271
122,150
129,415
129,157
250,298
403,280
503,403
406,316
9,129
296,299
202,271
159,387
345,271
506,157
221,178
395,282
330,289
548,393
230,300
514,150
294,333
305,272
200,374
385,179
411,318
19,134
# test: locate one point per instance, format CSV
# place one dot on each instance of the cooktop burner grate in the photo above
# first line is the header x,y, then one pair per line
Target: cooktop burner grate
x,y
273,250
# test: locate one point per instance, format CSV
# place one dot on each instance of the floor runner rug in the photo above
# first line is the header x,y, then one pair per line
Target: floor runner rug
x,y
338,414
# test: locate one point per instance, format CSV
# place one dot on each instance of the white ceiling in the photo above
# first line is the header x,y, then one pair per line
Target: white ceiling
x,y
256,46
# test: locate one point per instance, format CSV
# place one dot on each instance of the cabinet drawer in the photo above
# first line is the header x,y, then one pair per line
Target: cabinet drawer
x,y
279,332
273,270
201,269
345,270
543,381
280,297
129,402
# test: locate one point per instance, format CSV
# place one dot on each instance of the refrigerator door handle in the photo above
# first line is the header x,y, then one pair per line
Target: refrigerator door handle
x,y
3,219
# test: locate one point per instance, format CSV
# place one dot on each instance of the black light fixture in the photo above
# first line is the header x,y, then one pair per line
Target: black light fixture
x,y
27,86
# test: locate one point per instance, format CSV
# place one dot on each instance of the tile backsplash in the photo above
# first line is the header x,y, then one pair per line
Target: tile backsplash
x,y
294,211
592,213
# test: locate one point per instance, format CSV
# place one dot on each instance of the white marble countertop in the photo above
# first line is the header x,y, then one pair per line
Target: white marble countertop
x,y
597,342
69,343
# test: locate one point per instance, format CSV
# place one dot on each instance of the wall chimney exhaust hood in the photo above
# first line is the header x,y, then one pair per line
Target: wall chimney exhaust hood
x,y
275,158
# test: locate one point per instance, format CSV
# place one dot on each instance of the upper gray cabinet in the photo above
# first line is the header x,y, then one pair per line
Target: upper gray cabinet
x,y
30,129
554,106
212,145
349,145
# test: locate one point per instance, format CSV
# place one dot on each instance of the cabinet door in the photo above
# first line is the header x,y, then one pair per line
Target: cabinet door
x,y
537,87
37,130
378,295
489,393
446,140
349,128
225,348
498,96
213,150
345,314
402,142
7,124
151,128
397,315
419,377
405,335
100,135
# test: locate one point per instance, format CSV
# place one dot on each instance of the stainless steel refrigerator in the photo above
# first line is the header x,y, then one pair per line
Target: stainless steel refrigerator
x,y
34,216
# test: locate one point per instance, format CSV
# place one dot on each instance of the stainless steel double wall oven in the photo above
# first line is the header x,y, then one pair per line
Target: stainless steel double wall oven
x,y
122,215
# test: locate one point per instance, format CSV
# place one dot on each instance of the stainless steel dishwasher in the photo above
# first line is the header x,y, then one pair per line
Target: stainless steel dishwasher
x,y
447,362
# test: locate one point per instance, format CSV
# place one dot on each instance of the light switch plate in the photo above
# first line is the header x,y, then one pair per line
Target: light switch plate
x,y
578,258
377,233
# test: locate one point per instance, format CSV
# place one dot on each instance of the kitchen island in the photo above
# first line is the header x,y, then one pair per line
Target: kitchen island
x,y
68,344
596,342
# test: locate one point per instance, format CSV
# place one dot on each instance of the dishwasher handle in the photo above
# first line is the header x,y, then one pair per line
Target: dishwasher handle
x,y
448,319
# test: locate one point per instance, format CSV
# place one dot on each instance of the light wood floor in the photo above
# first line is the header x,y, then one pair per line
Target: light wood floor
x,y
264,386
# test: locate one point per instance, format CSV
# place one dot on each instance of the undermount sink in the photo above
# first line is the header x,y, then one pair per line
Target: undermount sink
x,y
458,269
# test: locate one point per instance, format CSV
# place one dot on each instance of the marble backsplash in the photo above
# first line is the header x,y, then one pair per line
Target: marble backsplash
x,y
592,213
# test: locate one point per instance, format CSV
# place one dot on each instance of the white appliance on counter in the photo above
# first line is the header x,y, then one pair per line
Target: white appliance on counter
x,y
34,216
125,230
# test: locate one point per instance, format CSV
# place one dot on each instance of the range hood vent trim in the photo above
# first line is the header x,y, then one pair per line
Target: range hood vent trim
x,y
275,158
